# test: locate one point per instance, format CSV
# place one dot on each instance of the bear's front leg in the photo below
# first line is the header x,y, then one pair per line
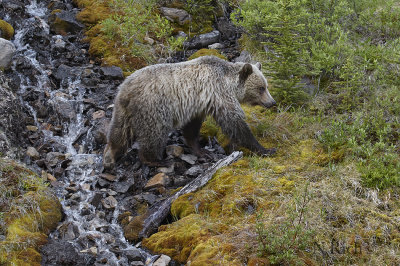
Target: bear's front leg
x,y
232,124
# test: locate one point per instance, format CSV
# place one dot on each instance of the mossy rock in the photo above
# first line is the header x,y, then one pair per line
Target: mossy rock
x,y
205,52
30,213
6,30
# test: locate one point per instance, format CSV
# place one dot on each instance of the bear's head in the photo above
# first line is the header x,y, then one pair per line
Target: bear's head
x,y
255,86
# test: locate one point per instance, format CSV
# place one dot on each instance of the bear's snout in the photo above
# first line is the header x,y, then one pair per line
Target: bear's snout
x,y
269,104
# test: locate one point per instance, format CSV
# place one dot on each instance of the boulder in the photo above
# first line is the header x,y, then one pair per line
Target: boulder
x,y
112,72
176,15
7,50
203,40
64,22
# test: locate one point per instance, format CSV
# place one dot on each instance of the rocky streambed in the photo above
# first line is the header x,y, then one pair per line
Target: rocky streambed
x,y
59,113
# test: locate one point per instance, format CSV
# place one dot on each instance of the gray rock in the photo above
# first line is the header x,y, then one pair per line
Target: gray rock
x,y
216,46
163,260
176,15
146,197
244,57
203,40
122,187
96,199
7,50
189,158
33,153
64,107
64,71
65,22
112,72
194,170
59,43
133,254
52,158
109,203
100,131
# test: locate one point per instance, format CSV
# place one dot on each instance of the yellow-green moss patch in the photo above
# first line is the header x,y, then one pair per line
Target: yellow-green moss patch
x,y
205,51
30,212
6,30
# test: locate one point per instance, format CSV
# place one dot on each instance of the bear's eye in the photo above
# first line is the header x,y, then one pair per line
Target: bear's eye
x,y
261,89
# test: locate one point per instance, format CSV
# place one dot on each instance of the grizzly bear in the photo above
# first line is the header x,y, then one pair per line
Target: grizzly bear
x,y
155,99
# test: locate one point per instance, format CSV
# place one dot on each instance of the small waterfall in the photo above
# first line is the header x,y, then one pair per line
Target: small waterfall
x,y
86,227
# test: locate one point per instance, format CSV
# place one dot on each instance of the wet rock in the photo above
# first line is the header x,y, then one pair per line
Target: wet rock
x,y
189,158
61,252
203,40
102,182
7,50
136,263
159,180
32,128
174,150
68,231
176,15
108,177
64,71
122,187
112,72
65,22
59,43
52,158
33,153
64,107
92,250
163,260
194,170
58,171
100,131
133,254
98,114
96,199
109,203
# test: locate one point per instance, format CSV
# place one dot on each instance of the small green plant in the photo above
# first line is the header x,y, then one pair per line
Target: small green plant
x,y
370,139
281,242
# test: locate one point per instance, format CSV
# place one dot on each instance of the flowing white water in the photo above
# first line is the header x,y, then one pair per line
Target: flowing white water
x,y
83,166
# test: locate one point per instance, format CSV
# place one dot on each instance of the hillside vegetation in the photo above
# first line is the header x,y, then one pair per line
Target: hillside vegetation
x,y
331,194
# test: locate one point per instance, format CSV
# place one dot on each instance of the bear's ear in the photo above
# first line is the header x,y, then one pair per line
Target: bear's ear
x,y
258,65
245,72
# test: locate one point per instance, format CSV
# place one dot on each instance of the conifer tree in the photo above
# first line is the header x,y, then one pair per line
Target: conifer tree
x,y
285,50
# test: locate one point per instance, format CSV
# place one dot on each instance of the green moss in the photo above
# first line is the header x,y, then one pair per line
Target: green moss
x,y
6,30
32,211
205,52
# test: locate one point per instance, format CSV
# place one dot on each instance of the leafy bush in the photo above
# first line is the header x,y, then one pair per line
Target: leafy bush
x,y
133,22
371,139
340,45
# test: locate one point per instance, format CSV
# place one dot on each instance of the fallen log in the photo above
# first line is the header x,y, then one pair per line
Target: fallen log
x,y
157,215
